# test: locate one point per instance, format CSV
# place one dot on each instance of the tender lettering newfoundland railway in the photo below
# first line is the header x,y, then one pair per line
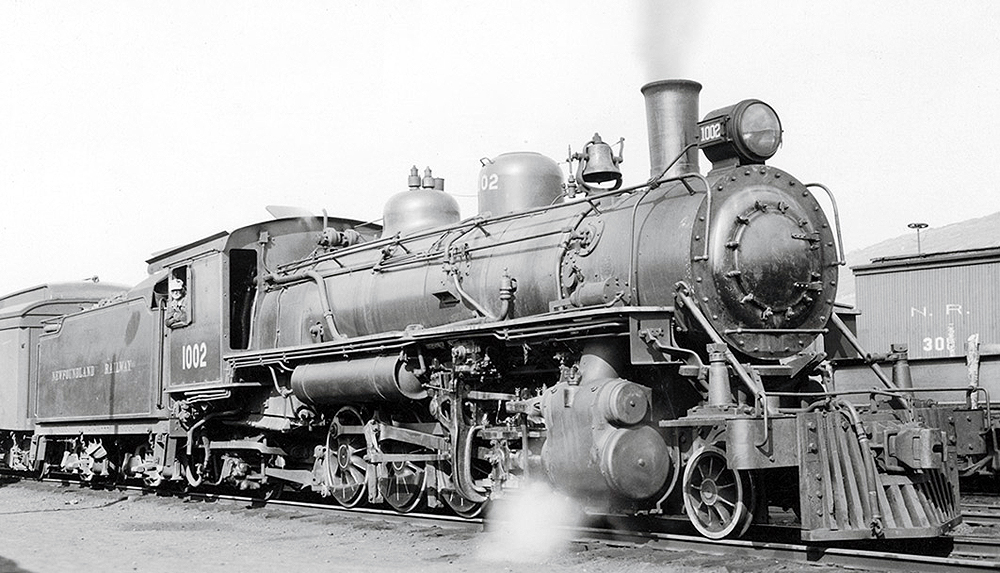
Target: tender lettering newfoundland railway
x,y
647,349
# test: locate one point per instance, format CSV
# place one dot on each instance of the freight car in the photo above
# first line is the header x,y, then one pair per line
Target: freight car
x,y
23,316
932,302
644,348
930,319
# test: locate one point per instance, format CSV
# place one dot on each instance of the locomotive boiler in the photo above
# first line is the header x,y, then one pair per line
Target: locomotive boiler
x,y
647,349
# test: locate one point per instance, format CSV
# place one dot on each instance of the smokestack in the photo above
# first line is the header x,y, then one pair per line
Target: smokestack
x,y
672,124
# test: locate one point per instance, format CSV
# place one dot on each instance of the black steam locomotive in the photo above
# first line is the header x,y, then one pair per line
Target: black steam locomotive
x,y
646,349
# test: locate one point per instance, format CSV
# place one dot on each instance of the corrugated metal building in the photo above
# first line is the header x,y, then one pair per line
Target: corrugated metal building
x,y
932,302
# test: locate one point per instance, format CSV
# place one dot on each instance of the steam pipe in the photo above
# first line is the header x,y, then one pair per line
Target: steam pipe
x,y
324,296
452,269
744,376
508,286
464,483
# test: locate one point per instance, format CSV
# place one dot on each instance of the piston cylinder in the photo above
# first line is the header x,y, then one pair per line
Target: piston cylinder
x,y
363,380
596,444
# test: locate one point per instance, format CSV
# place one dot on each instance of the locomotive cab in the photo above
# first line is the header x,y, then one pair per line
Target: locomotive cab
x,y
222,276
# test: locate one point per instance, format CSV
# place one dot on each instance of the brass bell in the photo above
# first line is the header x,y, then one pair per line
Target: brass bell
x,y
598,163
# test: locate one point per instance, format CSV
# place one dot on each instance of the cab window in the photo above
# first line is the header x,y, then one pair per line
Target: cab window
x,y
177,312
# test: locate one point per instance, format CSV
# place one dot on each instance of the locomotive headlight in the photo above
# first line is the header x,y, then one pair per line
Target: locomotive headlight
x,y
745,133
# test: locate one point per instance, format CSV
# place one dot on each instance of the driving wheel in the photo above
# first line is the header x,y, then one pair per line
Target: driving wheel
x,y
402,483
345,458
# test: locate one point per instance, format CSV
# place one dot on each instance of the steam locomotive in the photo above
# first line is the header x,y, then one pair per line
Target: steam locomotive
x,y
647,349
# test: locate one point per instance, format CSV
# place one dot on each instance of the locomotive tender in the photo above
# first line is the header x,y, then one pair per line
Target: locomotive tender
x,y
647,349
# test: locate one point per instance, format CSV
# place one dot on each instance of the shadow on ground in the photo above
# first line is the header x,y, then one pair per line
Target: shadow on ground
x,y
8,566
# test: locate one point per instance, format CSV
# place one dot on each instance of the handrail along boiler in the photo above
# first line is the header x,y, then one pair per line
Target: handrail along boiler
x,y
647,349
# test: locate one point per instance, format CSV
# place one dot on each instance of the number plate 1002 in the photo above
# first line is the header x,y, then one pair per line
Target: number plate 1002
x,y
194,356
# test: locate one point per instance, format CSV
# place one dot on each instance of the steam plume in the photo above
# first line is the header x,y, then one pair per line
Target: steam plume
x,y
669,30
530,525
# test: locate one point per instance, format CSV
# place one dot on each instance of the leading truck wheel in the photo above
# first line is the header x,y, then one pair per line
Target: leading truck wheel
x,y
718,500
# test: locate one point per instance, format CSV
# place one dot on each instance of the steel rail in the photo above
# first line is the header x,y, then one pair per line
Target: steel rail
x,y
986,514
798,552
964,553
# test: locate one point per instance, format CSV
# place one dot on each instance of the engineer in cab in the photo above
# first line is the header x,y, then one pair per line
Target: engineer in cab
x,y
177,311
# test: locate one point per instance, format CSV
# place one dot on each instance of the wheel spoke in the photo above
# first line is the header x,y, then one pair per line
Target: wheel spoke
x,y
357,463
354,475
725,515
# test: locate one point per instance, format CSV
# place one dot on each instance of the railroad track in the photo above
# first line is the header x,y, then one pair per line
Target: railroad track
x,y
981,513
971,554
951,554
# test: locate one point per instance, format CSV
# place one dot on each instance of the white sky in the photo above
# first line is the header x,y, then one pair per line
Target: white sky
x,y
130,127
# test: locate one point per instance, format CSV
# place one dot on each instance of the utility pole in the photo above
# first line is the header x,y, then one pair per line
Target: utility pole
x,y
918,226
